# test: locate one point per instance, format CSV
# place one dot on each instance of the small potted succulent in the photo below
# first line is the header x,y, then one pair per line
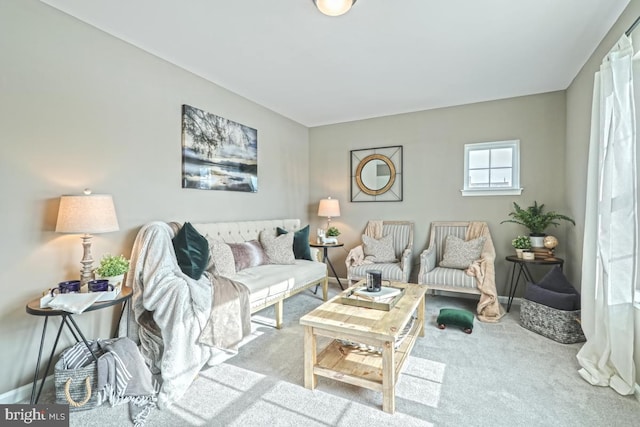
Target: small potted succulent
x,y
331,236
332,232
113,268
521,243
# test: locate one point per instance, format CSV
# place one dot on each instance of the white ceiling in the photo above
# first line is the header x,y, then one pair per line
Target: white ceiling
x,y
383,57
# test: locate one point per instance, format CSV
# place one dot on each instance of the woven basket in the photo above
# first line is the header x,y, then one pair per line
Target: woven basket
x,y
559,325
78,387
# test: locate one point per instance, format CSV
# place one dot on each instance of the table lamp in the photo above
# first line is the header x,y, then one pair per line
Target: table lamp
x,y
87,214
330,208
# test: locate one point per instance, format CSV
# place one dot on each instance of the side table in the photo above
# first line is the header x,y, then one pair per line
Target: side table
x,y
522,265
33,308
325,258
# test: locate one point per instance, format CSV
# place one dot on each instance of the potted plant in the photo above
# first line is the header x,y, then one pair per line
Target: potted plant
x,y
521,243
536,220
113,268
332,232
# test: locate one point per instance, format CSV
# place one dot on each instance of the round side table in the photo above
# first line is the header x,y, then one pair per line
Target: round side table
x,y
33,308
325,258
522,265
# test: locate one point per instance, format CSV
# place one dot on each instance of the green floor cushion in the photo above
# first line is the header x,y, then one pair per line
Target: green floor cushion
x,y
456,317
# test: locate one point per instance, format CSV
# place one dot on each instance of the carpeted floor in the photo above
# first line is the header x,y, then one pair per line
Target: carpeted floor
x,y
500,375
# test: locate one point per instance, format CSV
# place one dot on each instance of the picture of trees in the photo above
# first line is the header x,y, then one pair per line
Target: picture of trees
x,y
217,153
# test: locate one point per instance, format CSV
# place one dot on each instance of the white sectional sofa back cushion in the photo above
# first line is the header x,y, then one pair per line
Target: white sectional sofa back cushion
x,y
243,231
267,282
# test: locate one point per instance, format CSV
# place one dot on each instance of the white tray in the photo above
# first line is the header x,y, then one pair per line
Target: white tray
x,y
106,296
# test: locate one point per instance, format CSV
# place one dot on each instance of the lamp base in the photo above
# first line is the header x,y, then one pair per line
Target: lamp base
x,y
86,273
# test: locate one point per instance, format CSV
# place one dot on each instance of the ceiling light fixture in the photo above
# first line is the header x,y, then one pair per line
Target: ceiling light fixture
x,y
334,7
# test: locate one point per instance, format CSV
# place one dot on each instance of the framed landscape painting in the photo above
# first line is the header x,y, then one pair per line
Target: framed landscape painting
x,y
217,153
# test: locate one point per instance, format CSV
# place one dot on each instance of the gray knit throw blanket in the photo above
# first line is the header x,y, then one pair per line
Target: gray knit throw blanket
x,y
124,377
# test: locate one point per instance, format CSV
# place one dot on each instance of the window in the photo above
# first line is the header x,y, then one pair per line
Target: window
x,y
492,168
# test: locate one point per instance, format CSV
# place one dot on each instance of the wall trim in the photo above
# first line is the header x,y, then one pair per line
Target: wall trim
x,y
23,394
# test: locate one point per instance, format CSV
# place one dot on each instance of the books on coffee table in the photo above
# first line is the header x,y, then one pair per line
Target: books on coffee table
x,y
386,293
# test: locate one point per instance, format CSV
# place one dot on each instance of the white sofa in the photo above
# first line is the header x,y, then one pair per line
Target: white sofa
x,y
169,310
269,284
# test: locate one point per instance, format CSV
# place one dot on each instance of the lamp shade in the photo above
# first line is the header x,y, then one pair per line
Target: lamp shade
x,y
329,207
334,7
89,214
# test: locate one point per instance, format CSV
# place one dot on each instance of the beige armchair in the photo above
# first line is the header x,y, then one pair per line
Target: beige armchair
x,y
443,278
476,278
398,266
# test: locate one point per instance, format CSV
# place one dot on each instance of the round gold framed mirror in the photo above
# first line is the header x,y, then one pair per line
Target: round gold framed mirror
x,y
375,174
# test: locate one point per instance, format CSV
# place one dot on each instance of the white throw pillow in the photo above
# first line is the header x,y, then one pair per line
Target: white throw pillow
x,y
279,249
379,250
221,260
459,253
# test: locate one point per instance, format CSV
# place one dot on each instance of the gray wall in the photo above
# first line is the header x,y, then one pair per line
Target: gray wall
x,y
433,147
79,108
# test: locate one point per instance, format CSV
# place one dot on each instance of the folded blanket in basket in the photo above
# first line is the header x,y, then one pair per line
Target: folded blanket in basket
x,y
124,377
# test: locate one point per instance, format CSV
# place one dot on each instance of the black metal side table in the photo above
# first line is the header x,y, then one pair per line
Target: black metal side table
x,y
325,258
522,265
33,308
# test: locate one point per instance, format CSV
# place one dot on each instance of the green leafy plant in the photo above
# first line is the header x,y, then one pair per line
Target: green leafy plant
x,y
521,242
332,232
111,265
535,219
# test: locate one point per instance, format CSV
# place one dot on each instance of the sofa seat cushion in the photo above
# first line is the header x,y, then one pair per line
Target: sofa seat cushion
x,y
272,281
448,277
390,271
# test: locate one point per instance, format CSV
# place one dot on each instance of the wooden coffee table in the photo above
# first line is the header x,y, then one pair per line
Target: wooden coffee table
x,y
379,329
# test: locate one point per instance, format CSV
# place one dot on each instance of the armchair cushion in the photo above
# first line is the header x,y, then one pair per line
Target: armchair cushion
x,y
391,272
379,250
459,253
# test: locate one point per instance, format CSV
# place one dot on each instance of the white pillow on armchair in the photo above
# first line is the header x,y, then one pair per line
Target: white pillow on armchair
x,y
379,250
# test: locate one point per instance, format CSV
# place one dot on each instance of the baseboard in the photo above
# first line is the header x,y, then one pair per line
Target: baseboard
x,y
505,300
501,299
343,280
23,394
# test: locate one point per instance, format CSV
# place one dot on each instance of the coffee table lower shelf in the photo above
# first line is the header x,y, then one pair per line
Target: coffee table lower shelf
x,y
362,367
376,361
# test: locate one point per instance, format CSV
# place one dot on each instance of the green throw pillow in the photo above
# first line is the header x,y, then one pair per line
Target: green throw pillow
x,y
457,317
192,251
301,249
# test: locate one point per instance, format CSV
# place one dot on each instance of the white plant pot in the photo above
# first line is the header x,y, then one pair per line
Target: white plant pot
x,y
113,280
519,252
537,241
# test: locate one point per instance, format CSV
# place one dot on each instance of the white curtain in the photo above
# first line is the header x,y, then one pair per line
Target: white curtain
x,y
609,266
